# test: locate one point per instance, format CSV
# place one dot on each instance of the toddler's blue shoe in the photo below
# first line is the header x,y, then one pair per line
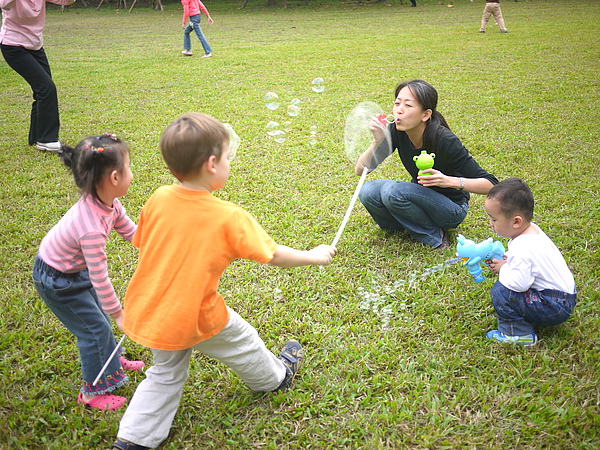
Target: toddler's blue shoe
x,y
527,340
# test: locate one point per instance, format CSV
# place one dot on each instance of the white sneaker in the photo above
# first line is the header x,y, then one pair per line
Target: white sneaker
x,y
187,52
207,55
49,146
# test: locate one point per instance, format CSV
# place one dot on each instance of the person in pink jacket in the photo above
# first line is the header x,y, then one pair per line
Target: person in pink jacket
x,y
191,10
21,42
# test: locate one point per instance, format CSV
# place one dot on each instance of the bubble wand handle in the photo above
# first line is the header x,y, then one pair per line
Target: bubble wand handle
x,y
108,361
350,207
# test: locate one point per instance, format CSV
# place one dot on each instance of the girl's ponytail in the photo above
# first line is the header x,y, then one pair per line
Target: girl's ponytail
x,y
92,159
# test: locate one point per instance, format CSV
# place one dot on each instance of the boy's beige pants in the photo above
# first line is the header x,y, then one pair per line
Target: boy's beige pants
x,y
492,9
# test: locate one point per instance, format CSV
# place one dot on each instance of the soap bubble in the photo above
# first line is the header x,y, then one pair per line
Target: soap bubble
x,y
272,128
318,85
234,141
287,126
313,129
271,100
358,135
293,110
279,136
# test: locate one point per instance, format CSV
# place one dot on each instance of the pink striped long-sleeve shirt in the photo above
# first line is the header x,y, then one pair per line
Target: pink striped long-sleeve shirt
x,y
78,241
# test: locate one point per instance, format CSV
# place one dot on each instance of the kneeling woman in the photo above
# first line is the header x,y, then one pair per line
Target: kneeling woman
x,y
430,204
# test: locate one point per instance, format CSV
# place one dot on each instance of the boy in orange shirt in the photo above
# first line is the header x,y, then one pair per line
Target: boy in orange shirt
x,y
187,238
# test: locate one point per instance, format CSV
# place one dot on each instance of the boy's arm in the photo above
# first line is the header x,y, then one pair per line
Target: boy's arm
x,y
289,257
517,274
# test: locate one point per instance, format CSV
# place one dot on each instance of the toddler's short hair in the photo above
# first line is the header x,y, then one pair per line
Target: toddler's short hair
x,y
190,140
514,197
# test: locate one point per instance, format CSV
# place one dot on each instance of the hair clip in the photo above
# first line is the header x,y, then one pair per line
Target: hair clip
x,y
94,150
112,136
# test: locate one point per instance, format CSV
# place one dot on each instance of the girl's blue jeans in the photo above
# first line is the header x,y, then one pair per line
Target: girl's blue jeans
x,y
421,211
518,311
72,298
195,25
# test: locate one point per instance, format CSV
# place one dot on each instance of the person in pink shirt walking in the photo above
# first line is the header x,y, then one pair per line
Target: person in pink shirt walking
x,y
191,10
70,270
21,42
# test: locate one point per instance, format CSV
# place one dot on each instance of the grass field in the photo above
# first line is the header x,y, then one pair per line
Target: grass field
x,y
396,354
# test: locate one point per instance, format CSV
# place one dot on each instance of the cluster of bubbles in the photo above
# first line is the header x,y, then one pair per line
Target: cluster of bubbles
x,y
272,102
379,300
313,135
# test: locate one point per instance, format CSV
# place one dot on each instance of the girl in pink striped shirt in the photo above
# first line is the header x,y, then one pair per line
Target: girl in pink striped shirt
x,y
70,271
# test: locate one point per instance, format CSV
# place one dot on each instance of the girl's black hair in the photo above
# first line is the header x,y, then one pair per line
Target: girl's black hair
x,y
427,97
92,159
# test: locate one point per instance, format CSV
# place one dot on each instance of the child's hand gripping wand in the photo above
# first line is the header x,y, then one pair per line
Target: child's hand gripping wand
x,y
472,254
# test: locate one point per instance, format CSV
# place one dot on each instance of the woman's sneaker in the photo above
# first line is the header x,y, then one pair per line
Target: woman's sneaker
x,y
527,340
49,146
291,356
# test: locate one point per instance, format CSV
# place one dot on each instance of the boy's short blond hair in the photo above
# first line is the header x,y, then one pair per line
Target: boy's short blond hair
x,y
190,140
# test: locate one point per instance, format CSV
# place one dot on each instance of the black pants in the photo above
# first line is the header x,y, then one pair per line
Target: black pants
x,y
33,66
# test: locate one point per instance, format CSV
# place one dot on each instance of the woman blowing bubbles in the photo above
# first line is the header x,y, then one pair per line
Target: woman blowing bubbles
x,y
428,205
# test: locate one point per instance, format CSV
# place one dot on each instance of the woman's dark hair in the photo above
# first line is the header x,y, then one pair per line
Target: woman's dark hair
x,y
427,97
92,159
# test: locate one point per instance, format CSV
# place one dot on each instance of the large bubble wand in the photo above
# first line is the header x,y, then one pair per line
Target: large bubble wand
x,y
357,139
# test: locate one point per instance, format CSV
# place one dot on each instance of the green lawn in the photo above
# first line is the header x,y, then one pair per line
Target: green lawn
x,y
396,355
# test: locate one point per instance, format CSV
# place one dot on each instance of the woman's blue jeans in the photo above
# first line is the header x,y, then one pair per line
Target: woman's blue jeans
x,y
72,298
421,211
518,311
195,25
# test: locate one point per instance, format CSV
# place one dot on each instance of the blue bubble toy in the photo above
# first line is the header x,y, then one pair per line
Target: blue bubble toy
x,y
473,253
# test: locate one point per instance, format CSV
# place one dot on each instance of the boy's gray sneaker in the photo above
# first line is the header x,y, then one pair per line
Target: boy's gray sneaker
x,y
292,356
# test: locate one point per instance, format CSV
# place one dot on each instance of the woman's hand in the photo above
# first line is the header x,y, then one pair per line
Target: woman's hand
x,y
435,178
378,130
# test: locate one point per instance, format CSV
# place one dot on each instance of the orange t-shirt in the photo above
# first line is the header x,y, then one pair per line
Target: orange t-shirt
x,y
187,239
